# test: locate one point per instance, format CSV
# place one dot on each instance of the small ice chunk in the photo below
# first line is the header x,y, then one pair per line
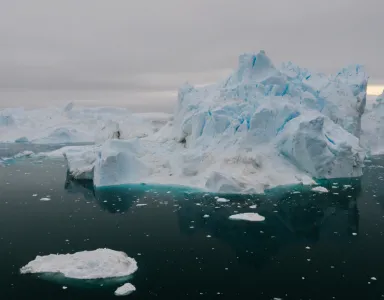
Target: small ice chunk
x,y
45,199
373,278
354,233
222,200
206,216
252,217
141,204
125,290
64,287
34,195
253,206
320,189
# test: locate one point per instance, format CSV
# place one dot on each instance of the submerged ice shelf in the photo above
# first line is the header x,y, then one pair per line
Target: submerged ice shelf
x,y
262,127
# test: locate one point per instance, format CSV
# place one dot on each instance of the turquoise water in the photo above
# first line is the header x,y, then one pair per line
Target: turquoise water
x,y
311,245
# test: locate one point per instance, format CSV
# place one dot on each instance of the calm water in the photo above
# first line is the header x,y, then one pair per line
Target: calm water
x,y
311,246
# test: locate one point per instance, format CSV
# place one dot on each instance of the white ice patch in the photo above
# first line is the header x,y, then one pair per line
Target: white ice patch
x,y
252,217
97,264
125,290
222,200
71,124
45,199
320,189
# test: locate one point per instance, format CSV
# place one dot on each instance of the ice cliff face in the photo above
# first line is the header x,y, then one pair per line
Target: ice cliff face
x,y
373,127
262,127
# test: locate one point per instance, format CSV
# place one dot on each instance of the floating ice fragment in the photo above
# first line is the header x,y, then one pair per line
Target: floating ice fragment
x,y
253,206
206,216
125,290
252,217
96,264
45,199
320,189
222,200
141,204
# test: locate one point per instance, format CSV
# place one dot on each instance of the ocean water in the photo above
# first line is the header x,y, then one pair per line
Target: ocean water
x,y
310,246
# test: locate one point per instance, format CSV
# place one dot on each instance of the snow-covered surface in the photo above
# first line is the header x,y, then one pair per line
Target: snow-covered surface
x,y
97,264
125,290
71,124
261,127
252,217
373,127
320,189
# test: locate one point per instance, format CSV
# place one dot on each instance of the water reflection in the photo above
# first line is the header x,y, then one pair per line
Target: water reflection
x,y
291,218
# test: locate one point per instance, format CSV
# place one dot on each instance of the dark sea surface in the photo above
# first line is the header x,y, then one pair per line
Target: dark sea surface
x,y
310,246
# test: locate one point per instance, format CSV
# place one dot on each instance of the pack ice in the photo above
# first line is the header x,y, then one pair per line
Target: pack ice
x,y
261,127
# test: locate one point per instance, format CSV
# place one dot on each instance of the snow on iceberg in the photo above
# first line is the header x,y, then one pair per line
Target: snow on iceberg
x,y
97,264
261,127
71,124
80,161
373,127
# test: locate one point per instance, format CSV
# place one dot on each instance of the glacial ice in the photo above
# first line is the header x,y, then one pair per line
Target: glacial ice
x,y
261,127
71,124
320,189
125,290
97,264
372,137
252,217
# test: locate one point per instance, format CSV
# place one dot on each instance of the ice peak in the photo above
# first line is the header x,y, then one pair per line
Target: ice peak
x,y
254,67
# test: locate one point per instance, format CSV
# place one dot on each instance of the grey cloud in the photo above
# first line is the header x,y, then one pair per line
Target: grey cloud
x,y
154,46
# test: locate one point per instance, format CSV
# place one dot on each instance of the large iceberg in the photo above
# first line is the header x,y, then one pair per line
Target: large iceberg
x,y
373,127
261,127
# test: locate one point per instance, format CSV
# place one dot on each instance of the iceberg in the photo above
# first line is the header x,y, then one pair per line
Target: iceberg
x,y
372,137
97,264
73,125
260,128
125,290
251,217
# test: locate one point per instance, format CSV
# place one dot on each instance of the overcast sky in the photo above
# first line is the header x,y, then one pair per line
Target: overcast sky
x,y
137,52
